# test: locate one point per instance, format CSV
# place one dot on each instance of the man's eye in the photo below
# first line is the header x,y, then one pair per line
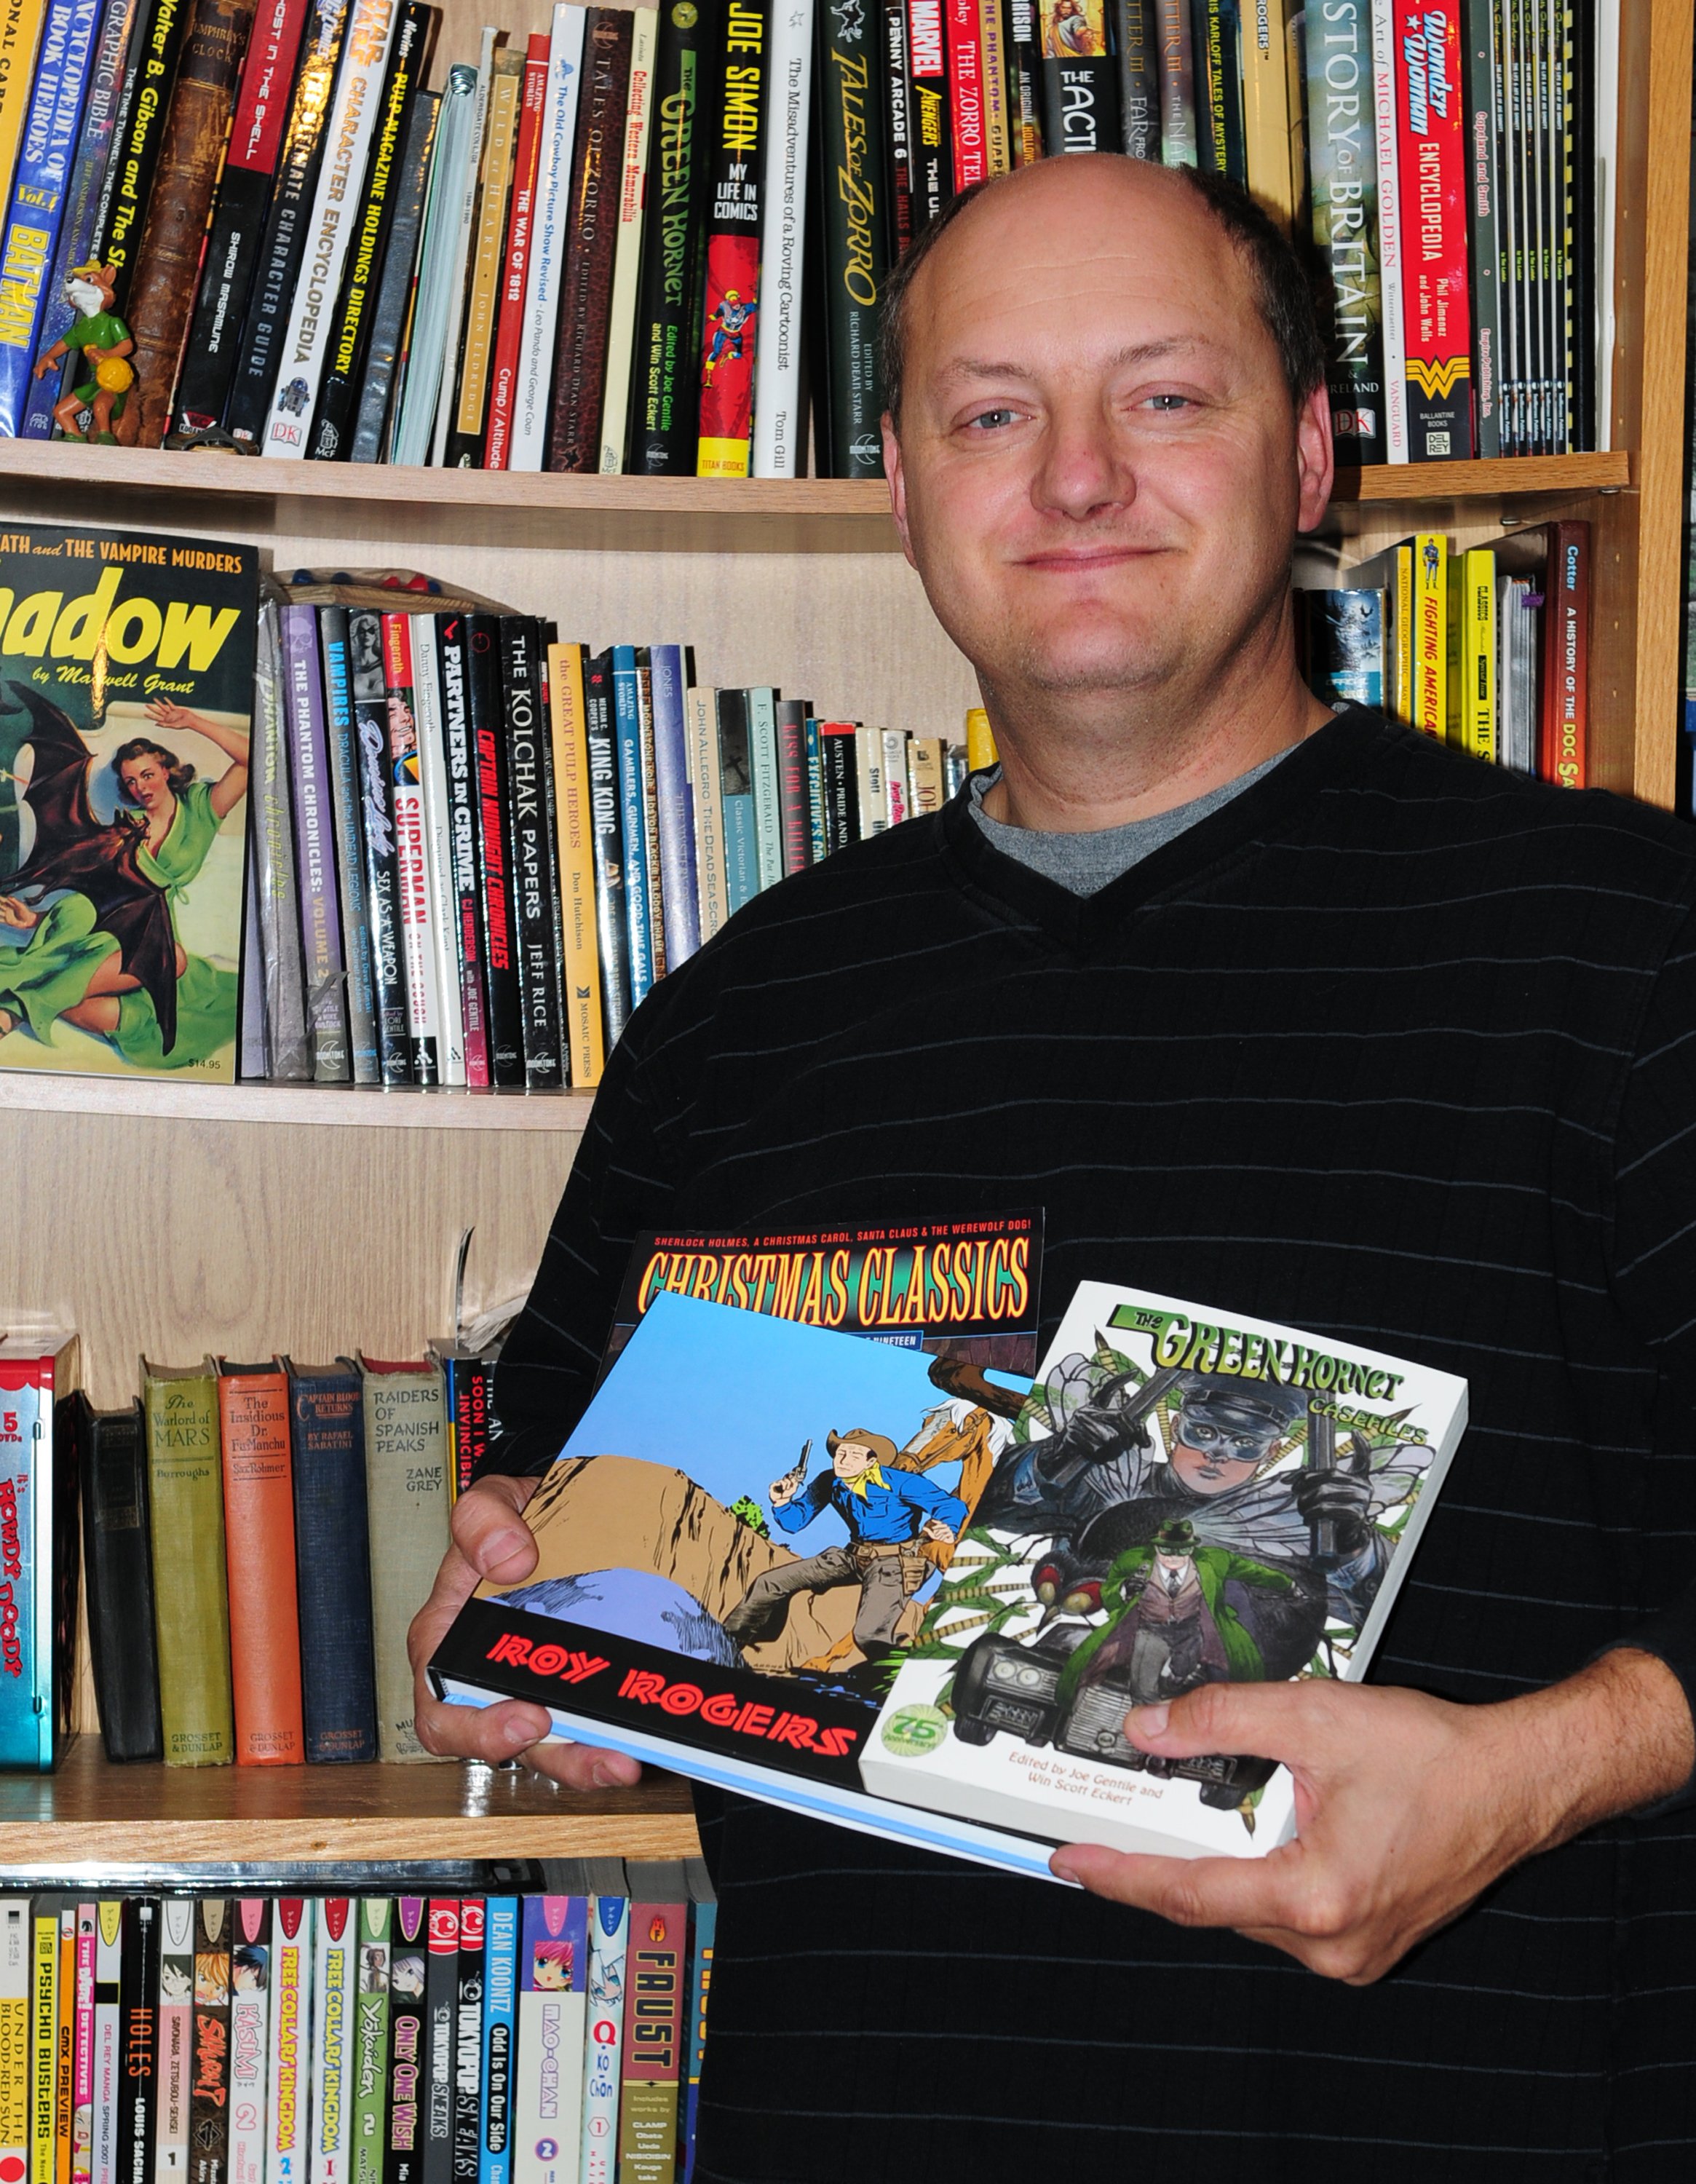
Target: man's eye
x,y
1169,402
989,420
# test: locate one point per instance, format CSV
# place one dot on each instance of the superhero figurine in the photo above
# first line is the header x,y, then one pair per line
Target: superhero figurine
x,y
105,343
729,322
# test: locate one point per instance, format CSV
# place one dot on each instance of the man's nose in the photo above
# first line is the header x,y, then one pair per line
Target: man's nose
x,y
1084,468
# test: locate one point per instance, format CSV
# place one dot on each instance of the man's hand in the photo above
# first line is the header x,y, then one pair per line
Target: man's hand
x,y
933,1528
782,1491
491,1540
1407,1807
1340,1497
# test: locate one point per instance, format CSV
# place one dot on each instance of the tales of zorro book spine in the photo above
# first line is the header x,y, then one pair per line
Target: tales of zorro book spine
x,y
878,1586
853,215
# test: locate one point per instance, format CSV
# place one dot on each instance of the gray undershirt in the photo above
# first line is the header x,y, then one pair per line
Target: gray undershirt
x,y
1083,864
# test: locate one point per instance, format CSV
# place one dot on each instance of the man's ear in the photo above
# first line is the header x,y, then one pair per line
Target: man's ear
x,y
898,485
1316,465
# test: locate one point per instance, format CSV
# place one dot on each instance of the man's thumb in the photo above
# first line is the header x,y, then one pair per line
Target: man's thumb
x,y
1264,1721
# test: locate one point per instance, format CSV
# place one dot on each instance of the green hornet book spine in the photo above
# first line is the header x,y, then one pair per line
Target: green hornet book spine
x,y
1343,163
855,241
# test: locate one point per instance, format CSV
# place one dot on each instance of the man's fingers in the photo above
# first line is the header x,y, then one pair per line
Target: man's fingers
x,y
490,1532
491,1733
1266,1893
1296,1723
583,1767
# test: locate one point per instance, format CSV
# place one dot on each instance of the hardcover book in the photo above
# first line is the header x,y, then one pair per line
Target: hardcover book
x,y
259,1546
37,1549
406,1477
665,384
191,1596
933,1625
112,1450
332,1543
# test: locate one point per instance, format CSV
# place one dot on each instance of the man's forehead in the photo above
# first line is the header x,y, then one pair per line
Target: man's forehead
x,y
1125,356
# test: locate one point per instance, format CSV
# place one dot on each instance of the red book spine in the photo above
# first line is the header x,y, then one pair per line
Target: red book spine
x,y
794,810
1436,306
1563,753
965,92
509,325
259,1539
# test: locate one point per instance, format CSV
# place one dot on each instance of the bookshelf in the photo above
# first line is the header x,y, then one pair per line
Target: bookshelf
x,y
177,1218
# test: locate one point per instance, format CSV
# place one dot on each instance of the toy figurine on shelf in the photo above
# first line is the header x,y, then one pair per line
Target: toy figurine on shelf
x,y
106,345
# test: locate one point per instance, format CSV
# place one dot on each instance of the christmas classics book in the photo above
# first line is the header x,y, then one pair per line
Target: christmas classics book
x,y
886,1588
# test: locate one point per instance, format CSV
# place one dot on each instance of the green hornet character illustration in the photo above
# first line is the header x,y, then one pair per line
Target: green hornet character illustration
x,y
888,1511
1172,1626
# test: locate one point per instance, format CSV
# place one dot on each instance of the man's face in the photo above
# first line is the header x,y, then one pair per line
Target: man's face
x,y
1171,1565
1211,1458
852,1459
1100,471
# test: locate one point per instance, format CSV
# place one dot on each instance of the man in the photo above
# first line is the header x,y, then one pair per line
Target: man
x,y
1291,1014
888,1513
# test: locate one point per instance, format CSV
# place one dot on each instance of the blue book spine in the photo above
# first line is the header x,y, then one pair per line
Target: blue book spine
x,y
816,792
500,2038
742,852
677,801
768,807
633,822
700,1982
333,1554
83,207
26,1707
40,185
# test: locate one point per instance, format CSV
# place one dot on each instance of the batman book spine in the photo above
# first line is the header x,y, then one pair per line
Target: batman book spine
x,y
1430,142
734,171
332,423
665,385
209,2113
591,223
244,191
501,1915
408,1956
606,837
1342,161
36,199
931,139
393,288
494,867
380,862
314,849
342,738
250,2008
401,757
515,257
454,658
535,923
854,247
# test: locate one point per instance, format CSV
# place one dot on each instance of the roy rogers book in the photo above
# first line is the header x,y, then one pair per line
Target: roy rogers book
x,y
828,1572
126,692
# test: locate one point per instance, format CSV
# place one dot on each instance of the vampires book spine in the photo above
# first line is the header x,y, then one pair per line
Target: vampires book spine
x,y
762,778
731,300
590,213
780,428
393,284
283,241
665,385
929,110
36,199
1437,328
175,2050
547,267
612,928
897,125
271,818
406,1479
380,862
854,250
793,818
407,1956
535,922
516,262
438,856
333,421
704,788
113,1449
499,2025
632,823
467,441
965,92
143,104
371,2041
258,1537
244,191
468,2042
1178,139
656,1995
1342,154
489,730
342,739
209,2108
1564,682
465,907
315,847
674,797
607,1922
441,1998
581,966
250,1998
423,1000
638,131
551,2013
333,1556
1136,52
287,2147
1391,319
190,1604
334,1950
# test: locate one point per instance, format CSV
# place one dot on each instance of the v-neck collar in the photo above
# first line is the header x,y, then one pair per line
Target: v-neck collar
x,y
1078,923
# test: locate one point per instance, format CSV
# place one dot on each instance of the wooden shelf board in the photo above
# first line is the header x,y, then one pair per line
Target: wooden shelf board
x,y
38,1092
1510,477
91,1811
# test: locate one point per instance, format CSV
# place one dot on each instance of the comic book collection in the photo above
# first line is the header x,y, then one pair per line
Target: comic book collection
x,y
429,2039
653,239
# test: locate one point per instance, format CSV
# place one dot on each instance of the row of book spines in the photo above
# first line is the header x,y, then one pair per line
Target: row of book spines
x,y
259,2036
279,1613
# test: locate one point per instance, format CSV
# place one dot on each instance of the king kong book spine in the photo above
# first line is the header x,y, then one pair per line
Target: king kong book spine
x,y
854,257
606,838
380,864
592,218
338,395
730,330
927,121
232,244
143,101
536,929
278,267
665,384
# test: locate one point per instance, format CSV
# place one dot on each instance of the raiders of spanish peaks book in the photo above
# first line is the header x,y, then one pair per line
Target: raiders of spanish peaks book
x,y
839,1576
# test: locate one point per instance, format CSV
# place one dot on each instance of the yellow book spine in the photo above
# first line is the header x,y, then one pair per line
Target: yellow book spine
x,y
1267,109
44,2054
585,1043
721,458
17,1957
1400,659
1431,633
1478,650
64,2058
489,261
998,132
980,741
20,33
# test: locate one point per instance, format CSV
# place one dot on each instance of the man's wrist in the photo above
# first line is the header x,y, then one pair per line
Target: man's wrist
x,y
1613,1738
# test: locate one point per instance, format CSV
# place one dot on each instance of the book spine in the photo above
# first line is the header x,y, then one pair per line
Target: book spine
x,y
1025,72
1137,51
794,827
494,877
288,2152
82,2094
244,190
702,716
464,847
1342,154
394,283
44,2008
35,201
897,801
514,264
705,1922
143,105
175,2038
665,382
965,93
315,836
991,45
1565,755
1216,34
1477,618
335,1937
20,37
108,1972
766,786
736,800
420,361
460,177
499,2029
612,929
551,2011
871,793
137,2029
656,1970
371,2041
674,795
342,743
854,253
332,1555
184,1492
632,824
1178,144
250,1979
650,810
779,427
380,860
1436,314
840,767
1266,110
333,419
438,849
929,110
638,131
120,1581
546,266
609,1935
406,1478
729,332
897,130
1483,246
467,439
535,928
1389,238
1431,633
407,1956
1400,657
440,1996
208,2100
819,842
423,1002
467,2044
272,824
259,1536
580,353
1079,86
282,245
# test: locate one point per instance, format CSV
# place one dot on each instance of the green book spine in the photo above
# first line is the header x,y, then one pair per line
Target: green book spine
x,y
406,1485
191,1603
371,2041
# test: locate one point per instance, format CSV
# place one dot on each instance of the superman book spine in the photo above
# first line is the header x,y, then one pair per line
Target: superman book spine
x,y
665,386
854,243
590,222
407,788
494,879
381,865
729,332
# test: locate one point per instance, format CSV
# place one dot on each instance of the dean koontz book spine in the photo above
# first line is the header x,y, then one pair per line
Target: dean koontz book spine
x,y
453,662
332,1546
250,2007
536,935
36,199
403,2153
371,2041
665,382
590,220
381,865
335,1952
855,244
342,740
499,2025
314,848
244,191
283,241
393,295
780,428
1437,324
601,736
406,787
1342,163
186,1494
288,2110
734,167
209,2099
